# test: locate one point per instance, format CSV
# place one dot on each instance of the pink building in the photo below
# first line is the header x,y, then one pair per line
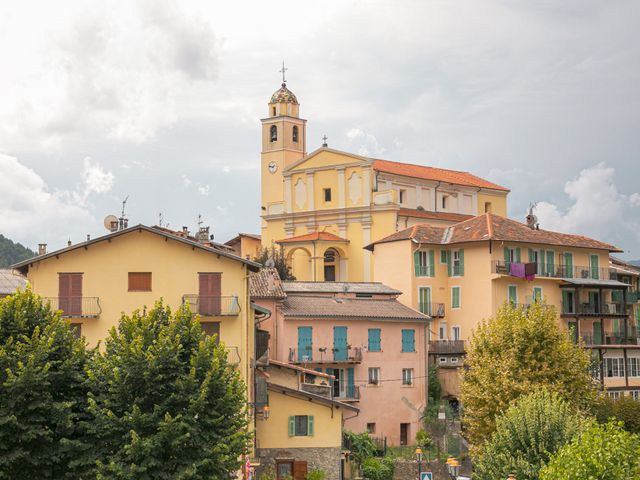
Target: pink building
x,y
374,347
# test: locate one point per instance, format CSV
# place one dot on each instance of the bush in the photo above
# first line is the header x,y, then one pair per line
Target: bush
x,y
362,446
316,474
526,436
423,440
435,388
624,409
377,468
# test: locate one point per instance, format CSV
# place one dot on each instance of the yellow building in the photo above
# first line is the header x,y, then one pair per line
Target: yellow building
x,y
303,429
94,282
245,245
325,206
464,273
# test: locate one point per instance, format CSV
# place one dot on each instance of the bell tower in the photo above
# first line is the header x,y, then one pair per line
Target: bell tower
x,y
284,139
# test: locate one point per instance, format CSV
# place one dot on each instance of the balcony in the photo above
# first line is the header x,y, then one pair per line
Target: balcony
x,y
351,394
212,305
262,348
594,310
325,355
424,270
610,338
438,347
556,271
75,307
431,309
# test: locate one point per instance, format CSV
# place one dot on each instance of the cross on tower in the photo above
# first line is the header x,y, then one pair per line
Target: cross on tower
x,y
324,141
283,70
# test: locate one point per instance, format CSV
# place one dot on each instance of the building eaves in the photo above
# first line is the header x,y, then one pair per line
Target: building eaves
x,y
274,387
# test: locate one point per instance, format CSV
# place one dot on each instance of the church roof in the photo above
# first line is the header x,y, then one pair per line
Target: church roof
x,y
314,237
284,95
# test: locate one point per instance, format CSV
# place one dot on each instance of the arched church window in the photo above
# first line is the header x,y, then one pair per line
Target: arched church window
x,y
295,133
330,267
274,133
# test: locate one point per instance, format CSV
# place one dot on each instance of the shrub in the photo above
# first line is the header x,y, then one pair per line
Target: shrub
x,y
377,468
316,474
624,409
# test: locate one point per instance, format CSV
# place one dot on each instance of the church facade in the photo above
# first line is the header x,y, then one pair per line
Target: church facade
x,y
322,208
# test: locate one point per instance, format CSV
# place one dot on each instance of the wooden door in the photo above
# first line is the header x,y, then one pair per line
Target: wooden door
x,y
404,434
70,294
209,295
299,470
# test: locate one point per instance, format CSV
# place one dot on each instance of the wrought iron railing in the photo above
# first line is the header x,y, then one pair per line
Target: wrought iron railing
x,y
593,309
76,307
610,338
555,271
424,270
325,355
212,305
431,309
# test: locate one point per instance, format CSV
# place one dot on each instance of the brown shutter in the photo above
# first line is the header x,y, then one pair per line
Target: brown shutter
x,y
70,293
211,328
139,281
210,289
299,470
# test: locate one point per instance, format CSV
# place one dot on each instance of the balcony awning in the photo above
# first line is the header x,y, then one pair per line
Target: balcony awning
x,y
592,282
259,309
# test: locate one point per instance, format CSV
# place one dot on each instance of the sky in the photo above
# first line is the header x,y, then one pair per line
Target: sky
x,y
160,101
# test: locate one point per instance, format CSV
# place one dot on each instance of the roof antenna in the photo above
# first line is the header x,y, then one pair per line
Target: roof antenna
x,y
123,222
160,219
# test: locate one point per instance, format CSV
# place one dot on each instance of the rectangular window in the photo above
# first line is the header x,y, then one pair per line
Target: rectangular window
x,y
139,281
424,263
76,328
327,194
301,426
211,328
424,300
487,207
512,293
374,375
209,294
445,202
371,428
443,257
614,367
374,340
70,294
537,294
402,196
614,394
456,263
408,340
305,344
455,297
634,366
567,267
635,394
407,376
442,330
594,265
455,333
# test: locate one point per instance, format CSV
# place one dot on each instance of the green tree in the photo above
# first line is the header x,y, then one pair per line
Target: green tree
x,y
513,354
624,409
361,445
526,436
43,391
602,452
275,258
11,252
165,402
435,388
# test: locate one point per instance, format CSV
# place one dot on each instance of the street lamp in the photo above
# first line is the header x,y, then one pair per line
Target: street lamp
x,y
419,459
453,467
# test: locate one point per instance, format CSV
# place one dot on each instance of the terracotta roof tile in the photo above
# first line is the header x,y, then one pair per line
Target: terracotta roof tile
x,y
436,174
445,216
10,281
420,233
315,236
339,287
266,284
296,306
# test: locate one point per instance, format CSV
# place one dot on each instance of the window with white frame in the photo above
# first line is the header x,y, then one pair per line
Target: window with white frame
x,y
614,394
635,394
455,332
424,267
402,194
456,262
407,376
442,330
454,360
633,367
442,360
374,375
614,367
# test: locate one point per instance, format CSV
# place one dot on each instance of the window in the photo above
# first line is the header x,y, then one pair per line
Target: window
x,y
487,207
537,294
442,330
456,266
139,281
455,333
443,256
301,426
404,434
76,328
295,134
424,263
70,294
455,297
445,201
209,294
593,264
407,376
512,294
371,428
374,375
327,194
614,394
408,340
424,300
211,328
273,133
454,360
305,344
442,360
614,367
402,195
635,394
634,367
273,111
374,340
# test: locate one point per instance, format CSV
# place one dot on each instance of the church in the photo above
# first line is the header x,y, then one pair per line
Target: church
x,y
322,208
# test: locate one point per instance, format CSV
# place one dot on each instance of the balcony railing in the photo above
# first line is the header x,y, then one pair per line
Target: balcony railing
x,y
262,348
76,307
610,339
325,355
592,309
431,309
212,305
556,271
424,270
351,394
446,347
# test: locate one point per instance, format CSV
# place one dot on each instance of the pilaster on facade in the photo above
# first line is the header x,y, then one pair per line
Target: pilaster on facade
x,y
310,191
287,195
341,187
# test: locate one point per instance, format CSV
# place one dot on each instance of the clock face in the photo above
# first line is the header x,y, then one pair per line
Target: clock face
x,y
273,167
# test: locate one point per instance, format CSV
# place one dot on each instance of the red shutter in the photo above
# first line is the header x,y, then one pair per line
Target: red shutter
x,y
209,303
70,293
299,470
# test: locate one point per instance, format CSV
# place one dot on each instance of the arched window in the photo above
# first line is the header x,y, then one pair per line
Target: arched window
x,y
274,133
295,134
330,264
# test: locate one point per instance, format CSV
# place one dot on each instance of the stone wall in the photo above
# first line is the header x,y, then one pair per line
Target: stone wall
x,y
327,459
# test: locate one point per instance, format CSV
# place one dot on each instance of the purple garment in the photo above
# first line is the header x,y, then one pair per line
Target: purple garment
x,y
529,278
516,270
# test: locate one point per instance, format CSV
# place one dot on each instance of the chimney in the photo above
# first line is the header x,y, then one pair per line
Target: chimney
x,y
271,283
185,231
88,237
126,223
69,241
203,235
42,249
114,226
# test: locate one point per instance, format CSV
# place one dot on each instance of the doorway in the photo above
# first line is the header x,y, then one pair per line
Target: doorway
x,y
404,434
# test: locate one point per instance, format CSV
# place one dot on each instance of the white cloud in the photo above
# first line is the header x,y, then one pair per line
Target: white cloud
x,y
186,181
203,190
368,143
95,179
596,208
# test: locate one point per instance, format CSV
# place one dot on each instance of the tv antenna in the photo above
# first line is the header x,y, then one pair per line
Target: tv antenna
x,y
122,221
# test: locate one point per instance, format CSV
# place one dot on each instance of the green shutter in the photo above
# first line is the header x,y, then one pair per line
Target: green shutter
x,y
595,271
310,425
374,340
432,263
568,264
597,333
551,258
455,297
416,262
566,305
461,255
449,272
541,263
507,258
530,255
518,255
292,426
443,256
408,340
513,294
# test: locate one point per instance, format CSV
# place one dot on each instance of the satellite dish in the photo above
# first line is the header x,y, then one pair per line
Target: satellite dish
x,y
108,220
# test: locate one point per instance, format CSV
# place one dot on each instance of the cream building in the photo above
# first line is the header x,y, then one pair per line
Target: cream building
x,y
323,207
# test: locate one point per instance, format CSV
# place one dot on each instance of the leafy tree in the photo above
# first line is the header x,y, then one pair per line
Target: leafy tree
x,y
11,252
512,354
624,409
165,402
603,452
435,388
361,445
378,468
275,258
43,391
526,436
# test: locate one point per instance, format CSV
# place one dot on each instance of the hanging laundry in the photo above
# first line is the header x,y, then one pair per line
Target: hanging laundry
x,y
517,270
530,270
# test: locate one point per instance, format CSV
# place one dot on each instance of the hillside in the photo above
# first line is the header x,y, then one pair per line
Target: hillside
x,y
635,262
11,252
